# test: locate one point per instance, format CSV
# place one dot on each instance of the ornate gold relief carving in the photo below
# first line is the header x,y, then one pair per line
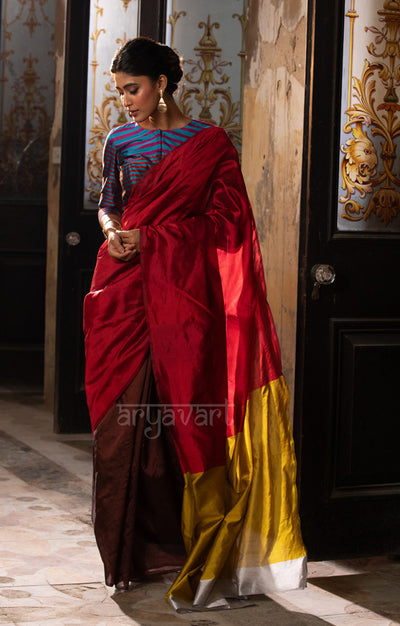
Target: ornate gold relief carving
x,y
24,140
204,72
207,77
359,163
93,164
101,116
31,20
25,123
100,128
172,20
364,169
104,110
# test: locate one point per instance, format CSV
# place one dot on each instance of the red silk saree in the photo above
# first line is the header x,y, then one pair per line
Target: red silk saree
x,y
195,298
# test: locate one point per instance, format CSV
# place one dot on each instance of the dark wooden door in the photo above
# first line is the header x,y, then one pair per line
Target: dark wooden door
x,y
80,235
22,289
347,407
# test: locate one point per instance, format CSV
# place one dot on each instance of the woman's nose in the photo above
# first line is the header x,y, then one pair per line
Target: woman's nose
x,y
126,100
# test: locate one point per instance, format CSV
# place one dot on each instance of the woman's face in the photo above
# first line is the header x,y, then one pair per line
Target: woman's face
x,y
139,95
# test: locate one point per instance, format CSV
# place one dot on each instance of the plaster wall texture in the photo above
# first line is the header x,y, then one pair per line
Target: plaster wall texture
x,y
273,116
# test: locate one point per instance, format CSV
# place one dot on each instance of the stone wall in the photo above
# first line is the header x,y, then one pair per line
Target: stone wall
x,y
272,151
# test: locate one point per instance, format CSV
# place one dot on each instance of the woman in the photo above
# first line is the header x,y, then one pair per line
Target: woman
x,y
194,466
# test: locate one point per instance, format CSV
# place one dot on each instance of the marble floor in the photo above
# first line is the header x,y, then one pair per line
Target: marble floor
x,y
51,573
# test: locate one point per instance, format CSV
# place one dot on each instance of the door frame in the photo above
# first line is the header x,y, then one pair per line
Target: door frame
x,y
152,19
314,109
66,416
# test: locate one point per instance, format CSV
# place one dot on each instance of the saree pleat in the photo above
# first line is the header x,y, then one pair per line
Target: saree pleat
x,y
137,488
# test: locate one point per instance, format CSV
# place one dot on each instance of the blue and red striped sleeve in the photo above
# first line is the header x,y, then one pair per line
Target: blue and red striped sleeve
x,y
111,191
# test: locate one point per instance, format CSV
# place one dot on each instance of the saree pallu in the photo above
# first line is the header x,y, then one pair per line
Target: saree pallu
x,y
196,297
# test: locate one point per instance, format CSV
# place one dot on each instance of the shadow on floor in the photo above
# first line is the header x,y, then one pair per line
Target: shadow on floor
x,y
378,591
146,606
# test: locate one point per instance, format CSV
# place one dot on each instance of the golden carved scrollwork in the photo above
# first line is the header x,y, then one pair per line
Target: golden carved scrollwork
x,y
208,78
94,157
104,106
31,19
102,116
126,3
203,72
25,123
24,139
363,169
172,20
101,126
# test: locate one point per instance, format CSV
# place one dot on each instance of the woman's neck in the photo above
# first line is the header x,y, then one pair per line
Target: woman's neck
x,y
172,119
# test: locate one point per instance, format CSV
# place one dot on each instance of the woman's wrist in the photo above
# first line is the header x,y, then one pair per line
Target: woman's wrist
x,y
109,225
110,228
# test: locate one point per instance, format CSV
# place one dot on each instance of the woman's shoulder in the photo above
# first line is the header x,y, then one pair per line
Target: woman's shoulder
x,y
200,127
204,125
120,135
200,124
211,129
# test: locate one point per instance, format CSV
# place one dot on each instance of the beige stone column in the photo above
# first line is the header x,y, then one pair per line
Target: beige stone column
x,y
53,210
272,151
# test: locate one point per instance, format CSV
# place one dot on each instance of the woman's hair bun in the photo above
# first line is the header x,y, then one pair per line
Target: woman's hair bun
x,y
143,56
173,68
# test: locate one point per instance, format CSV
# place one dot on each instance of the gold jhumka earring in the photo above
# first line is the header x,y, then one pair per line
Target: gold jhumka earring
x,y
161,106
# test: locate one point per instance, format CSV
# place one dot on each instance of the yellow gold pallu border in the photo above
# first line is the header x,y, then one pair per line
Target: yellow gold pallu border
x,y
240,522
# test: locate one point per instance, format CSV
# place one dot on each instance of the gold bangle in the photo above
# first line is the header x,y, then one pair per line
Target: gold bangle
x,y
109,225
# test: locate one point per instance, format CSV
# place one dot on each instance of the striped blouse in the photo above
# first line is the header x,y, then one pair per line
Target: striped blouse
x,y
129,151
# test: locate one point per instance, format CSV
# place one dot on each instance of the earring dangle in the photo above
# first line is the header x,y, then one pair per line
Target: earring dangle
x,y
161,106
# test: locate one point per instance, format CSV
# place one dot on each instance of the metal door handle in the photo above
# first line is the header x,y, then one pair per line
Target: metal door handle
x,y
73,238
322,275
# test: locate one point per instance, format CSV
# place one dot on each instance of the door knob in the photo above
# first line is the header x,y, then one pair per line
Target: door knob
x,y
73,238
322,275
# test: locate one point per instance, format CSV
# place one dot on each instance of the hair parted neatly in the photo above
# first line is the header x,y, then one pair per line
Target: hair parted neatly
x,y
143,56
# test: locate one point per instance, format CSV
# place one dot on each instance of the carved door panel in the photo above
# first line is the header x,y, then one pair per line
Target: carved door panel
x,y
347,422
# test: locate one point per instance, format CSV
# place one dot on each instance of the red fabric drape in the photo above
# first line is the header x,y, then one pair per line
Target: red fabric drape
x,y
195,296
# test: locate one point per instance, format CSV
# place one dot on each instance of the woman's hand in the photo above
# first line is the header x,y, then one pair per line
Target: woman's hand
x,y
130,239
122,247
